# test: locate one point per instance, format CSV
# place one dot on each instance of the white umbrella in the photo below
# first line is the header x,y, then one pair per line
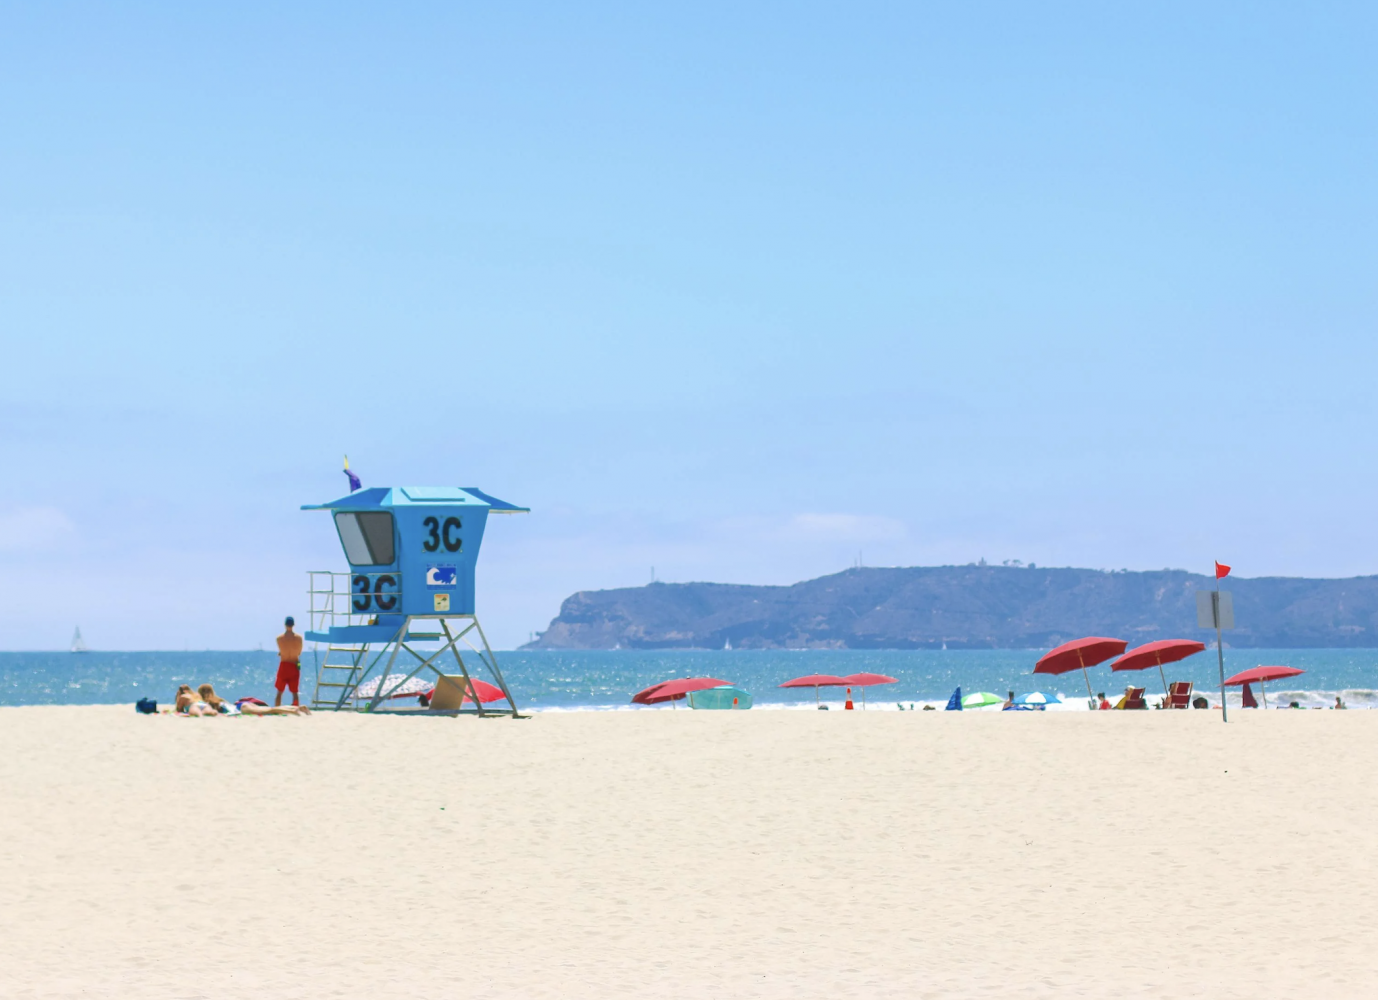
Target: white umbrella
x,y
396,687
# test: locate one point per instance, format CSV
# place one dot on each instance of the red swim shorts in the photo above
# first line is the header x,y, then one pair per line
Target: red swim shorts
x,y
289,676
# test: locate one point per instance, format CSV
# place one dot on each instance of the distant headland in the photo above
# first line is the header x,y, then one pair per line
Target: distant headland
x,y
964,607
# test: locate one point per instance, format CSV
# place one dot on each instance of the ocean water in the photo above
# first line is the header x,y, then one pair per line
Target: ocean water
x,y
550,680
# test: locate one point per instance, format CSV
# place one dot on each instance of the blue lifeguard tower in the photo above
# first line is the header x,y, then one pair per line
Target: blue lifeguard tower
x,y
411,552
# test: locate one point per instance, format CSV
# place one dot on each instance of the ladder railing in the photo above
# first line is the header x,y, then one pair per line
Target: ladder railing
x,y
337,676
339,670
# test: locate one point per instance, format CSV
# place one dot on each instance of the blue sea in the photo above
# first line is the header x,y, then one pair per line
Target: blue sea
x,y
549,680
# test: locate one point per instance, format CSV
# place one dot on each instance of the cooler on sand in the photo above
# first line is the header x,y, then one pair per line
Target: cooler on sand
x,y
720,698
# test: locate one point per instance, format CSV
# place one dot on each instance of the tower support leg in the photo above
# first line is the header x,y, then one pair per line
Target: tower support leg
x,y
453,646
493,666
382,681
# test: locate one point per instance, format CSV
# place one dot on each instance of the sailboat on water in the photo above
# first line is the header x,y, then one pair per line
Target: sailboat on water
x,y
78,644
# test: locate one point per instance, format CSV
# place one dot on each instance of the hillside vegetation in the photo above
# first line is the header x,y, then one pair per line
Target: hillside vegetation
x,y
963,607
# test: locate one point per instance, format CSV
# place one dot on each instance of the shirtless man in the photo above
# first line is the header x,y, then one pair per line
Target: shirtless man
x,y
289,663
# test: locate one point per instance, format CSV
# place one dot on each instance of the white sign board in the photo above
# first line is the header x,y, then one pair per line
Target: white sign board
x,y
1205,609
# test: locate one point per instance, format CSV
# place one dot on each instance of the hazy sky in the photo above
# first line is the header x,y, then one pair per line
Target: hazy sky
x,y
734,290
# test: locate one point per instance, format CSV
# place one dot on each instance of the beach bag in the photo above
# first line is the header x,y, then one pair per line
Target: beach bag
x,y
146,706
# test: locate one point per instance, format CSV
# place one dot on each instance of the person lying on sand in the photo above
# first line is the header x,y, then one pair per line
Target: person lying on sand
x,y
214,700
250,709
189,703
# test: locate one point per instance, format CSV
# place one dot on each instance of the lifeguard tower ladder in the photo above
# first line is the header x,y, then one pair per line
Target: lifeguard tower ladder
x,y
411,552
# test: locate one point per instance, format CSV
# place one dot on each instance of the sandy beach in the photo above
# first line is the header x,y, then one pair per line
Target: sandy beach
x,y
684,854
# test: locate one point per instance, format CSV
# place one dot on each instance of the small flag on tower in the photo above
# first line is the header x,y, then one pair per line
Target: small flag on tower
x,y
355,484
1221,570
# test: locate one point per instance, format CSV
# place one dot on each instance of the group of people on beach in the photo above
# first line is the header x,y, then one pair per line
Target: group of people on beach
x,y
203,701
1102,704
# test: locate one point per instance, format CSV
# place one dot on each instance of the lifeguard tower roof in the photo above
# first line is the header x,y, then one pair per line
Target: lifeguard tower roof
x,y
401,496
412,549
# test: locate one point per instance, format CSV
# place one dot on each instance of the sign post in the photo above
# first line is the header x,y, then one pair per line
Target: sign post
x,y
1215,609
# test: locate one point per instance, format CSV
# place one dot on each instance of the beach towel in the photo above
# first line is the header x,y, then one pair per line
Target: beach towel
x,y
954,704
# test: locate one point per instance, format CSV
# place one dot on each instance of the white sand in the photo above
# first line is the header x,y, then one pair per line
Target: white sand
x,y
688,854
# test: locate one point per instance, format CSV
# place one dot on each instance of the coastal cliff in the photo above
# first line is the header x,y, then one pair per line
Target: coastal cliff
x,y
964,607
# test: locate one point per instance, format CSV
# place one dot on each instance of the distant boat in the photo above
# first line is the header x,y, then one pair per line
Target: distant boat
x,y
78,645
727,646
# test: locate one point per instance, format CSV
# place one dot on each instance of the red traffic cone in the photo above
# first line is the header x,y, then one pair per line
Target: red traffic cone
x,y
848,707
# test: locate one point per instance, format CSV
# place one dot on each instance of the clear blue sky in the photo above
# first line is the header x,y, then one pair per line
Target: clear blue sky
x,y
732,290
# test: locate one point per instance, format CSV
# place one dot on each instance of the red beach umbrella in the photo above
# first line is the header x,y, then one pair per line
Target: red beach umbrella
x,y
486,692
864,681
816,681
1262,675
1156,654
674,690
1080,654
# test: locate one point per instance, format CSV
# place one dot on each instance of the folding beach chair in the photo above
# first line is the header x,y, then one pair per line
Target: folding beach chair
x,y
1134,698
448,694
1179,694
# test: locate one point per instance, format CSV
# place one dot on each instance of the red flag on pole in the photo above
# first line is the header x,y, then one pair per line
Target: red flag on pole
x,y
1221,570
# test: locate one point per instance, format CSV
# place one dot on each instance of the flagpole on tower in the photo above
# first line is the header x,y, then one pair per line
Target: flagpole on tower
x,y
354,482
1220,572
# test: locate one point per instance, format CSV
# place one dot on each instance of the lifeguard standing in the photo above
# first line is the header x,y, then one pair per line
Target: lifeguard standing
x,y
289,663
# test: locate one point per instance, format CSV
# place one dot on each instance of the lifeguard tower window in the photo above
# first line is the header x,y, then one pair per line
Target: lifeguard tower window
x,y
367,537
